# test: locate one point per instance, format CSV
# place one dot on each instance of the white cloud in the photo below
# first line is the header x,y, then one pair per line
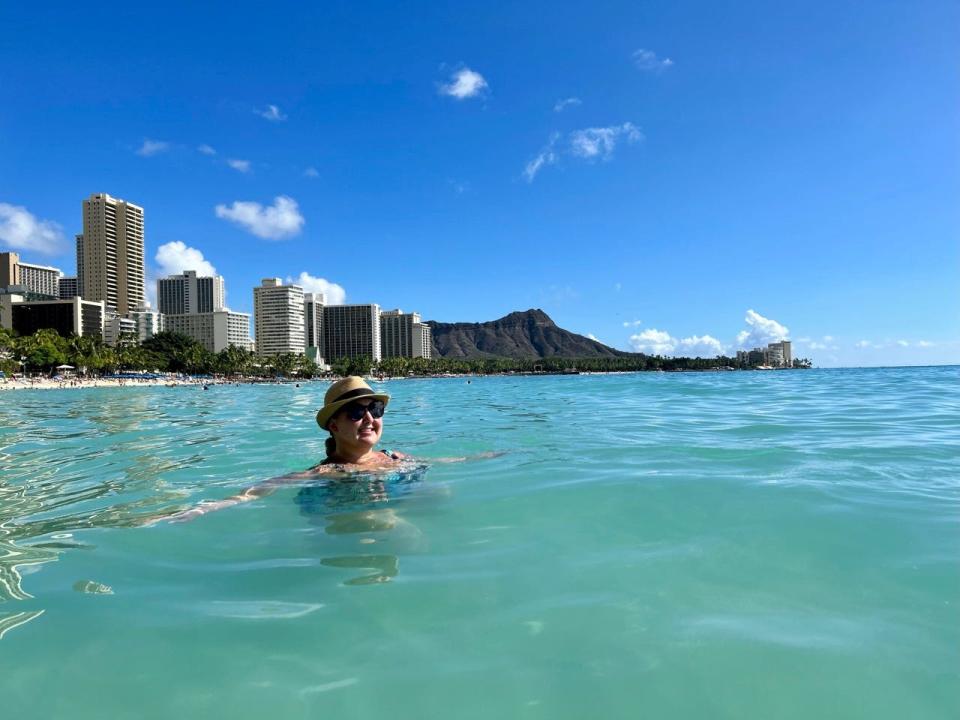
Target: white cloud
x,y
653,342
239,165
700,346
647,60
311,172
272,113
903,343
206,150
562,105
593,337
280,220
864,344
333,294
174,258
585,144
761,331
546,157
21,230
618,287
817,346
600,142
632,323
660,342
924,343
153,147
465,83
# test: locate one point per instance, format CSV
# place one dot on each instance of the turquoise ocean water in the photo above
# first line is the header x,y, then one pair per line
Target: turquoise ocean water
x,y
769,545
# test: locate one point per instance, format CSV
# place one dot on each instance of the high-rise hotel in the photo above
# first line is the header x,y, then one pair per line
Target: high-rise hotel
x,y
110,253
278,318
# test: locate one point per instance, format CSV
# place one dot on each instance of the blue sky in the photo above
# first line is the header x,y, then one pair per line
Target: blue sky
x,y
646,173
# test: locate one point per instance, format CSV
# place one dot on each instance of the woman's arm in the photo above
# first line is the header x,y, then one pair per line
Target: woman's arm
x,y
253,492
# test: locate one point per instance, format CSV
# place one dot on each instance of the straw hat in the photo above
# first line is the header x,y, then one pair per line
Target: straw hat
x,y
343,392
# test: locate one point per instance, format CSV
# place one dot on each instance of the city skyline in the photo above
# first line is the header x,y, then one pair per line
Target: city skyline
x,y
677,188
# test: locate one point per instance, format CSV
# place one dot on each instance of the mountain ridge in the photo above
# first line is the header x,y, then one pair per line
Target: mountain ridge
x,y
520,334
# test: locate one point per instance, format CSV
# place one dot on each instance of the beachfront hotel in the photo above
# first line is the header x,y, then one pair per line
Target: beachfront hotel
x,y
215,330
778,354
38,280
351,331
313,326
404,335
74,316
278,312
110,253
190,293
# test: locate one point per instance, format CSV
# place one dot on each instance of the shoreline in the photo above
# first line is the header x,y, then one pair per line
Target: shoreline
x,y
173,381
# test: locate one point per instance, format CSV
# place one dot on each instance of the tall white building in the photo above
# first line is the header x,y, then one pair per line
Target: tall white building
x,y
110,253
422,341
351,331
214,330
278,312
190,293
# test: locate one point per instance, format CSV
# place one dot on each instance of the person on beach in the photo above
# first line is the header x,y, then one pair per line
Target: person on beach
x,y
352,413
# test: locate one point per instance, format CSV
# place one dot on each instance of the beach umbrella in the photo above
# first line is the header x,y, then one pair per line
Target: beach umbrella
x,y
64,367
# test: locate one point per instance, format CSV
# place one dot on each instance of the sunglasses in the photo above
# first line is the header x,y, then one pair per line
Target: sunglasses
x,y
356,411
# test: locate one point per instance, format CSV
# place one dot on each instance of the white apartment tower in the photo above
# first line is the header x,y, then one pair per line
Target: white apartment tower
x,y
278,318
110,253
190,293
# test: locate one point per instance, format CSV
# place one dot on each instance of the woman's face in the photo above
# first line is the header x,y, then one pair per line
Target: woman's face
x,y
362,433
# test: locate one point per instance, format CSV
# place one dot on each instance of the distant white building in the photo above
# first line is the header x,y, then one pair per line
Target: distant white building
x,y
778,354
35,279
117,327
278,318
403,335
190,293
216,331
147,320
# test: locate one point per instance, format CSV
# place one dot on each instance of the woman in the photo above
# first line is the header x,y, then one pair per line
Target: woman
x,y
353,415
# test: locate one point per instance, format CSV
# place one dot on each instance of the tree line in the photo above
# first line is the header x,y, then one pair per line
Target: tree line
x,y
45,350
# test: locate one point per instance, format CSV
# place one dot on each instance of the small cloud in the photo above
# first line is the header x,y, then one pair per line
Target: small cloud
x,y
864,344
925,343
545,157
280,220
585,144
601,141
206,150
311,172
239,165
617,287
817,346
464,83
153,147
333,294
561,105
700,346
458,187
903,343
272,113
648,61
633,323
593,337
174,258
761,332
21,230
828,338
